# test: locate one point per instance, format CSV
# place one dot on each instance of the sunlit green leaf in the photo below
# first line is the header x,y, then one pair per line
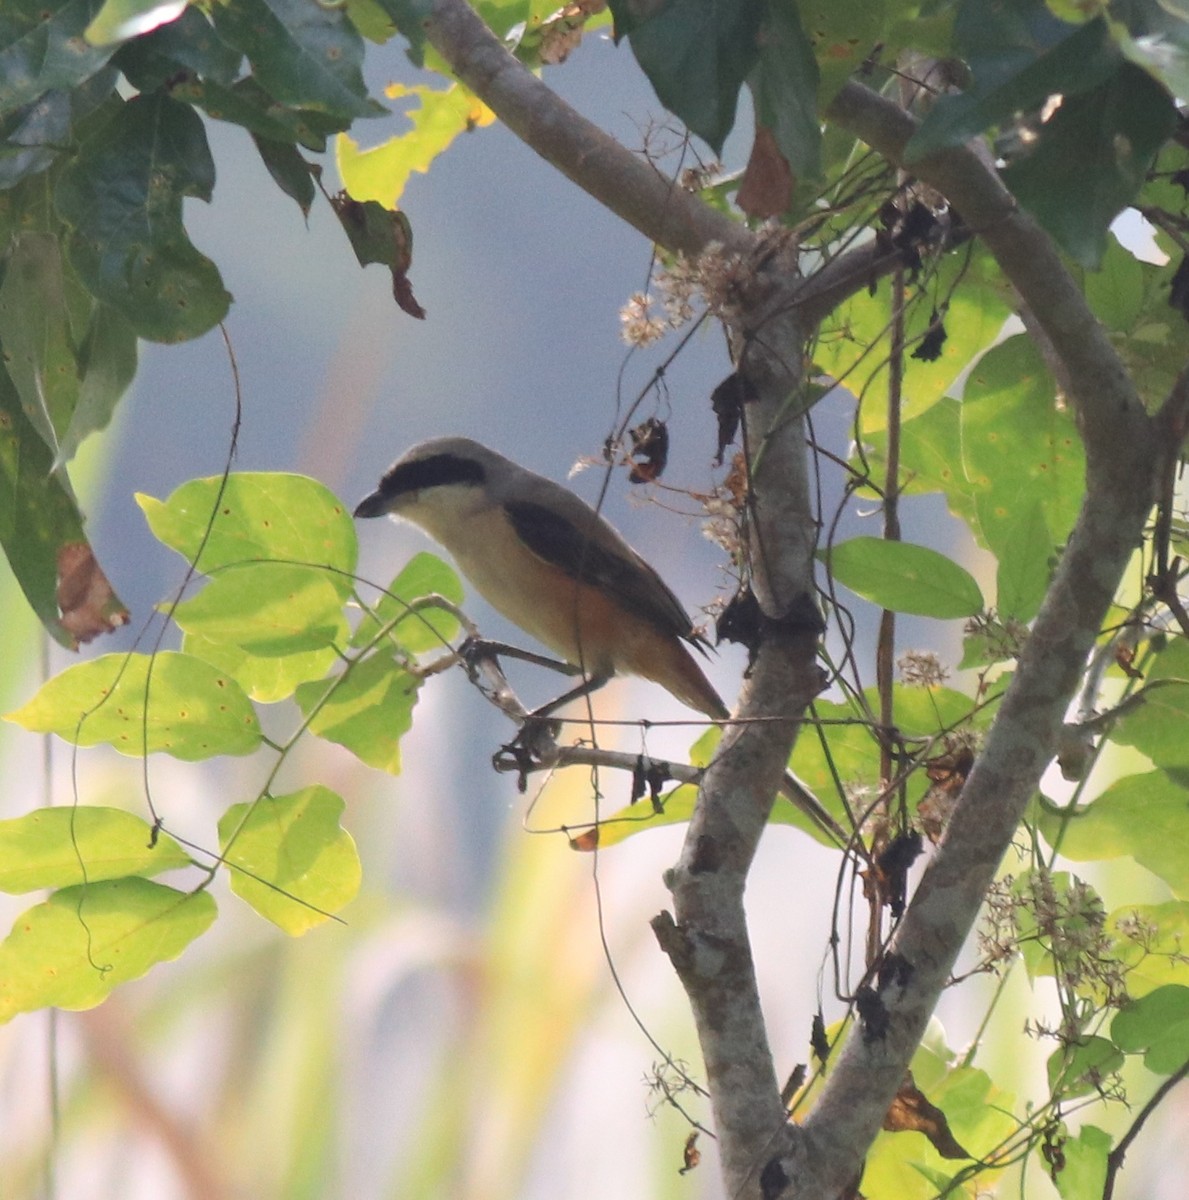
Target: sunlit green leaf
x,y
72,950
1083,1173
368,709
289,857
1018,446
1140,815
123,196
58,847
1149,942
1158,1026
380,172
255,516
1025,563
265,680
193,712
416,629
854,344
268,608
1080,1068
905,577
1157,724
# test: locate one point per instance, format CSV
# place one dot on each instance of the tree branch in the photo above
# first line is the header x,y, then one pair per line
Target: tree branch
x,y
1125,456
1108,405
596,162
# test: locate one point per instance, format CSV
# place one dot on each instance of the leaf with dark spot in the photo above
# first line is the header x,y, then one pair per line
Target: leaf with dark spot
x,y
381,235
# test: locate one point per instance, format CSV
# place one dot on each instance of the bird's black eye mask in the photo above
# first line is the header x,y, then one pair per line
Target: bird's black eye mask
x,y
438,470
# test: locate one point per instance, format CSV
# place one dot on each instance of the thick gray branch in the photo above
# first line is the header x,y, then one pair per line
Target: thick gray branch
x,y
707,938
1125,456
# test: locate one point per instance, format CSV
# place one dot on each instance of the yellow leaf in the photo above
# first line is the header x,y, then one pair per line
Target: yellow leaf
x,y
381,172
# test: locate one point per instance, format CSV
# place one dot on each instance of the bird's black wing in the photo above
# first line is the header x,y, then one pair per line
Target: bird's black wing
x,y
625,576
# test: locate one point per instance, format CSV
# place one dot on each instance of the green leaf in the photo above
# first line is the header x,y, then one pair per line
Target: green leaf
x,y
784,84
696,54
855,344
1149,941
247,104
1017,61
35,331
268,608
905,578
415,629
289,857
1141,815
194,711
107,360
410,17
32,137
843,34
368,709
380,172
1018,446
70,358
1083,1177
1080,1068
119,20
1158,1026
1156,725
188,45
306,55
41,530
1025,563
123,196
1116,290
1091,160
71,951
265,680
42,48
58,847
258,515
289,171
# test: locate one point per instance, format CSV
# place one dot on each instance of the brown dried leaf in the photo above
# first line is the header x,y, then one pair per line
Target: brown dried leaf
x,y
690,1155
88,604
767,187
912,1111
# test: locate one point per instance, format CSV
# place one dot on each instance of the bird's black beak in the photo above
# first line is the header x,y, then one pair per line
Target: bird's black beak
x,y
374,505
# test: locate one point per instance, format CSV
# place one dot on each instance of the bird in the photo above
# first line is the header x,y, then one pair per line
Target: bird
x,y
555,567
549,563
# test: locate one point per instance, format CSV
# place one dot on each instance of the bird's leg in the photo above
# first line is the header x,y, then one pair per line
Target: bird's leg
x,y
475,649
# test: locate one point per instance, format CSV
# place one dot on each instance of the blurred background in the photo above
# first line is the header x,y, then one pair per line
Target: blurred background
x,y
463,1034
